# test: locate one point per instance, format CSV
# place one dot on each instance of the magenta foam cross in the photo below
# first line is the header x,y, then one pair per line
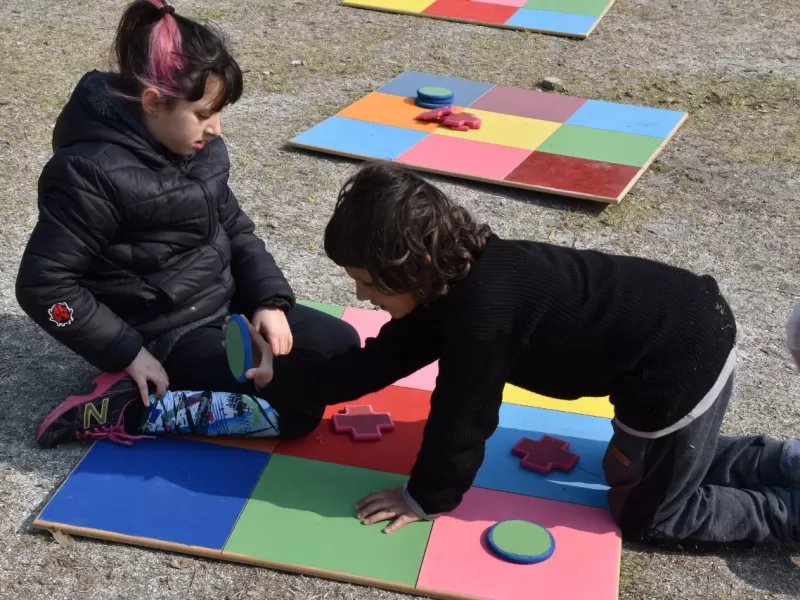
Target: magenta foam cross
x,y
545,454
361,423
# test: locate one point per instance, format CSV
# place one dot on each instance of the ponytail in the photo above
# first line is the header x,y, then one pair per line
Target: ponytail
x,y
156,47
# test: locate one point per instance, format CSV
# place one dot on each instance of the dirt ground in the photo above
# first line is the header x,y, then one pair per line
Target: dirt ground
x,y
722,199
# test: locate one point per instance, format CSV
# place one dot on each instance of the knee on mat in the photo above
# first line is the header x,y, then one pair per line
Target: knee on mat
x,y
342,336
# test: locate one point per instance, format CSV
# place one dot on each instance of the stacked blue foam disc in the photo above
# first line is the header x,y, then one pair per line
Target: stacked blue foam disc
x,y
434,97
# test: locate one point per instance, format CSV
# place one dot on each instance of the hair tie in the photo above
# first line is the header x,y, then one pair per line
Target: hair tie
x,y
167,9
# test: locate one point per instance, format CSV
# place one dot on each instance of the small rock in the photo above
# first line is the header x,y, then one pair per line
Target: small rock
x,y
272,224
552,83
266,73
296,63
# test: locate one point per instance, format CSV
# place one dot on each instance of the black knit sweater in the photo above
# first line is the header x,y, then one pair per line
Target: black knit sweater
x,y
561,322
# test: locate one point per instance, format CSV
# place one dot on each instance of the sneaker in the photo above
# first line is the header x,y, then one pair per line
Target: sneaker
x,y
99,415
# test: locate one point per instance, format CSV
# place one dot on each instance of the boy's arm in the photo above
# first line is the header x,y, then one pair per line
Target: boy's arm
x,y
76,220
402,347
465,410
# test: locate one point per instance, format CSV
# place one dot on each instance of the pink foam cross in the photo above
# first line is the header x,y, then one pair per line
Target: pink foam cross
x,y
361,423
434,115
545,454
462,121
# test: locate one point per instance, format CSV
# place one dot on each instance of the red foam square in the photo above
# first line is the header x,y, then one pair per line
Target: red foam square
x,y
585,562
577,175
395,452
471,11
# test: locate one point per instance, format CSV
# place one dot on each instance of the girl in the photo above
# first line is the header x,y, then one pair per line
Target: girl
x,y
563,322
141,249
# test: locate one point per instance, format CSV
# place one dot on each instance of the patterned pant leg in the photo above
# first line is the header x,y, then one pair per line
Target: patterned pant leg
x,y
211,414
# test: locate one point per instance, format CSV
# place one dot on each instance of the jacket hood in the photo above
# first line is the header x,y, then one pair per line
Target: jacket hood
x,y
98,111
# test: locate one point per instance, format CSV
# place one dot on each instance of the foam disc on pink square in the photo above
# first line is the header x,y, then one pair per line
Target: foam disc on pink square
x,y
368,323
465,157
516,3
585,563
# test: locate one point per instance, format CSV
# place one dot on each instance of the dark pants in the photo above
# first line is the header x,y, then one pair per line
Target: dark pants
x,y
198,361
697,486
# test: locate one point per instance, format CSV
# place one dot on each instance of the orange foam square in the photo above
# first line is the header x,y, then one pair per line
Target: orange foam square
x,y
238,441
389,109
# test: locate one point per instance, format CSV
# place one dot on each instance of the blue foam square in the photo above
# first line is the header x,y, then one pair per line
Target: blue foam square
x,y
361,139
556,22
465,91
626,118
588,437
173,490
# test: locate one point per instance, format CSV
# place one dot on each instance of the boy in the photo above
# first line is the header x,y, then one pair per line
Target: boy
x,y
566,323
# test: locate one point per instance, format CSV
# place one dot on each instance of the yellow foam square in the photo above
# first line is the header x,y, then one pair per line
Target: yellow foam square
x,y
596,407
407,6
505,130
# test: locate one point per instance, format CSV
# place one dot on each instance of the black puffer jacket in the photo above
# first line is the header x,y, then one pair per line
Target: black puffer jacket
x,y
133,241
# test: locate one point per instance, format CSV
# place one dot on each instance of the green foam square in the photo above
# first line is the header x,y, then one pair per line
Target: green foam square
x,y
602,145
302,513
594,8
331,309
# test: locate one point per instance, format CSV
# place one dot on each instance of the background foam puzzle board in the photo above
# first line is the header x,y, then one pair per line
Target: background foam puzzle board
x,y
576,147
289,505
570,18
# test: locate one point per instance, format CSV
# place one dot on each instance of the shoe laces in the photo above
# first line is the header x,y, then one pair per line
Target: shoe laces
x,y
114,433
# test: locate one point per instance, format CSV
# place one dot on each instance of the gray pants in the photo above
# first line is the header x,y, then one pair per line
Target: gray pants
x,y
694,485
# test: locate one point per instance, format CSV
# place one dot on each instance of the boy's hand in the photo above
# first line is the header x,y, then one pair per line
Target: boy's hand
x,y
145,368
272,324
388,504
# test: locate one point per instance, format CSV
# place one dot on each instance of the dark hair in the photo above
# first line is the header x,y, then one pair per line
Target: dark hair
x,y
156,47
407,234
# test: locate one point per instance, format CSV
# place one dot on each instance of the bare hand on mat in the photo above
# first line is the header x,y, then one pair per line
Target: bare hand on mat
x,y
388,504
145,368
272,324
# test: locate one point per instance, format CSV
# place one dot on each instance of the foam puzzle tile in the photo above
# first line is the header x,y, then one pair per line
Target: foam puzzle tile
x,y
465,91
627,118
331,309
352,137
595,8
466,10
596,407
581,148
388,109
174,490
602,145
588,438
578,175
368,323
505,130
573,18
556,22
395,452
469,158
528,103
302,513
458,561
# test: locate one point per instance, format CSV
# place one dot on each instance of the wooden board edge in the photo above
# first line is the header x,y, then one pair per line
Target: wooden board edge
x,y
577,36
457,176
131,540
656,153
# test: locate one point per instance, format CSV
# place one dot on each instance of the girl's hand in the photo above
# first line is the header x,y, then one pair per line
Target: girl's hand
x,y
388,504
272,324
145,368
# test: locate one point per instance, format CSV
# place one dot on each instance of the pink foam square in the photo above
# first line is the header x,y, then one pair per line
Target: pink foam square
x,y
585,563
464,157
368,323
517,3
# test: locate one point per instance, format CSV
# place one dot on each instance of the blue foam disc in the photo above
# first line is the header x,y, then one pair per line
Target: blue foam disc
x,y
520,541
423,104
238,347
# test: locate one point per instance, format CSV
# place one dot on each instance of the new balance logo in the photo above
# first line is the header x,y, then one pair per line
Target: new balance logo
x,y
90,411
